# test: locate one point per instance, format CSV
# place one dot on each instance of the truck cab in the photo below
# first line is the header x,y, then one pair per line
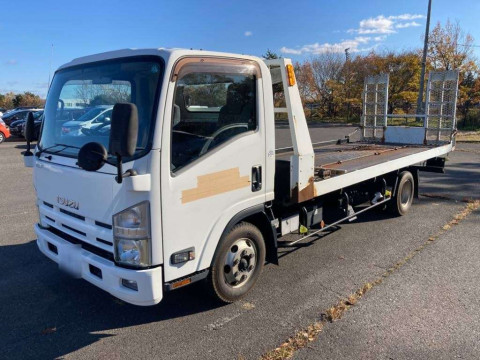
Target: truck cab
x,y
203,149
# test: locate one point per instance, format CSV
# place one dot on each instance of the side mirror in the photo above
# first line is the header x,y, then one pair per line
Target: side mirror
x,y
123,134
92,156
29,132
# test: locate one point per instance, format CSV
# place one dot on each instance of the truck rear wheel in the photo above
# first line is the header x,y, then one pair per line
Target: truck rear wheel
x,y
238,262
402,201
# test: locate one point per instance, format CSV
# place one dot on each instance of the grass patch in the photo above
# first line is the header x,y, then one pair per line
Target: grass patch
x,y
468,136
303,337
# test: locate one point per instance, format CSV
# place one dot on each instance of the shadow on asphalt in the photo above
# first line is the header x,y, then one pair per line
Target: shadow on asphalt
x,y
46,298
15,139
460,182
24,146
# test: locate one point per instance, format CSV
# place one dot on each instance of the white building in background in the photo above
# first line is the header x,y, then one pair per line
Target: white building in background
x,y
75,103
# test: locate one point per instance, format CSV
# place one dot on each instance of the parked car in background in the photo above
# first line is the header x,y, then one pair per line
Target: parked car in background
x,y
70,114
4,131
93,118
8,112
15,115
17,127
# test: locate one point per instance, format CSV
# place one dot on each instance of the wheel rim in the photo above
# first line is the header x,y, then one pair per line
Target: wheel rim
x,y
406,193
2,137
240,262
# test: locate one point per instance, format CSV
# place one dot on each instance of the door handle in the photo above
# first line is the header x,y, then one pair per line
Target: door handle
x,y
256,178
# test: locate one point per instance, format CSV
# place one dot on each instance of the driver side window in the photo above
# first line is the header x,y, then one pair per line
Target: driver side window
x,y
213,104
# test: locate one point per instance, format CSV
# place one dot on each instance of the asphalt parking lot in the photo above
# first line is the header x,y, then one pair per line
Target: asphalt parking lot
x,y
429,308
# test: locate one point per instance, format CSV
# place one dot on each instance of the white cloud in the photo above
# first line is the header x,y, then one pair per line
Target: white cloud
x,y
380,38
376,25
363,39
407,25
11,62
381,26
386,25
248,33
286,50
407,17
353,45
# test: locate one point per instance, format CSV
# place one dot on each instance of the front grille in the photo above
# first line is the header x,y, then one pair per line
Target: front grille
x,y
74,230
93,249
76,216
104,242
92,234
106,226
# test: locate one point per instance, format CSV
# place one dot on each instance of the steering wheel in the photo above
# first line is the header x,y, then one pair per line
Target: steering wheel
x,y
211,139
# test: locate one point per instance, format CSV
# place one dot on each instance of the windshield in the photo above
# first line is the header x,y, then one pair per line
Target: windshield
x,y
90,114
84,92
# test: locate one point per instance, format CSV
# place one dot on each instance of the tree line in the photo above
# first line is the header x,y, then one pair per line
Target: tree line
x,y
11,100
331,84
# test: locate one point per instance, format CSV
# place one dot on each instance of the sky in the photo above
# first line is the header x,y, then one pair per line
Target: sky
x,y
297,29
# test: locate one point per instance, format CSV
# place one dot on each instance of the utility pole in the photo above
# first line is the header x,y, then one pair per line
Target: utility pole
x,y
420,109
347,80
50,68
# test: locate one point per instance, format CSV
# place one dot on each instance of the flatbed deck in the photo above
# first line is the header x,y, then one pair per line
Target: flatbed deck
x,y
342,165
358,155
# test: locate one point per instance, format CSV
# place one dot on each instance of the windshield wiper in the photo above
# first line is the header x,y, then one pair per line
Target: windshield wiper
x,y
65,146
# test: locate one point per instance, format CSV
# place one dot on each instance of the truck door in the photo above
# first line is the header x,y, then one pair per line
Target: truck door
x,y
213,155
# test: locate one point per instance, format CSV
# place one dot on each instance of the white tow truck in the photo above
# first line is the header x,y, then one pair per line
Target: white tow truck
x,y
184,183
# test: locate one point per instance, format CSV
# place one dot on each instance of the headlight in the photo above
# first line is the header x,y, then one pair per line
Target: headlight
x,y
131,236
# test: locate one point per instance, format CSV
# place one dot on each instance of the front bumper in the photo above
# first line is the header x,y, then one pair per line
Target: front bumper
x,y
6,131
85,264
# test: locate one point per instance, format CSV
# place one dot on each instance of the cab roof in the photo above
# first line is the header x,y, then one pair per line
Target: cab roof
x,y
165,53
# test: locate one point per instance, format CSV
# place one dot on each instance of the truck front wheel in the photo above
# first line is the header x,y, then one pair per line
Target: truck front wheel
x,y
238,262
402,201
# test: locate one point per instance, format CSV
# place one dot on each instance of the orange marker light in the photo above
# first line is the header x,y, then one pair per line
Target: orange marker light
x,y
181,283
290,75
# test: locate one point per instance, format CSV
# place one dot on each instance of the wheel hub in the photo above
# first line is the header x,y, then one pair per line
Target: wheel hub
x,y
243,266
240,262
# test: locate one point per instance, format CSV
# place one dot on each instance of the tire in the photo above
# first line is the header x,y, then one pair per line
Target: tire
x,y
237,263
2,137
402,201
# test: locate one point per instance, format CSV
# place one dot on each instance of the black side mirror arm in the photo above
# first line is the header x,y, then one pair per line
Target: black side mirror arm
x,y
120,173
28,152
29,129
